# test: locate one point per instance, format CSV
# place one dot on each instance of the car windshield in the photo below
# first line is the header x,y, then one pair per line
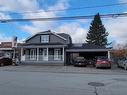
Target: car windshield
x,y
80,58
103,58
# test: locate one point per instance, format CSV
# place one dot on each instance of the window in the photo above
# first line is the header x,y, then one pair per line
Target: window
x,y
57,54
44,38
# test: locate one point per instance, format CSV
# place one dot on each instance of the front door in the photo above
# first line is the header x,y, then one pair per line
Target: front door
x,y
57,54
45,56
32,54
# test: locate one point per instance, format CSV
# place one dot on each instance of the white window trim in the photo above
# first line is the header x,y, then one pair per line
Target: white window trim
x,y
32,54
44,38
56,54
45,54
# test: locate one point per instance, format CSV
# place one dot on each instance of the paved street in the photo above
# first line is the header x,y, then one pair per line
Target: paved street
x,y
27,80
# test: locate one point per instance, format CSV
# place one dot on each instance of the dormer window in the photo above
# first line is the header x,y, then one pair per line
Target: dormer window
x,y
44,38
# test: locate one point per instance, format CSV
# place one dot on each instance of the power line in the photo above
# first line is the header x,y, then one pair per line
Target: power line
x,y
70,9
64,18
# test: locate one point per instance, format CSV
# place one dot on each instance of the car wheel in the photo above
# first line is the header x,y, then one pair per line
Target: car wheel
x,y
125,67
94,65
109,67
118,66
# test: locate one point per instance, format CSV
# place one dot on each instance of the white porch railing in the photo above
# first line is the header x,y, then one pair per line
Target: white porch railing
x,y
42,58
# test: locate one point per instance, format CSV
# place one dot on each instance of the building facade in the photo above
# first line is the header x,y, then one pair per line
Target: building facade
x,y
6,49
57,48
45,47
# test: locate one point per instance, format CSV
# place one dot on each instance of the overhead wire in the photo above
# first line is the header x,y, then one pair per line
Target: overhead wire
x,y
2,20
64,18
67,9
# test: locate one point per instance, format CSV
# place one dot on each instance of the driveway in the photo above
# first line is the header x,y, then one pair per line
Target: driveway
x,y
63,69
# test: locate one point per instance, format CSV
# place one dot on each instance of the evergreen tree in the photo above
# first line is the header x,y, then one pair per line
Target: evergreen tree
x,y
97,34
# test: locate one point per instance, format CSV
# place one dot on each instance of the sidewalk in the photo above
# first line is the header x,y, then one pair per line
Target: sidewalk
x,y
63,69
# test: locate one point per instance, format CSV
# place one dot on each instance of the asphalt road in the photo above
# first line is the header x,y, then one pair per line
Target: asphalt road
x,y
47,83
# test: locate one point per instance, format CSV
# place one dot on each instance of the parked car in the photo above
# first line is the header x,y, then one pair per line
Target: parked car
x,y
91,62
5,61
122,62
103,62
80,61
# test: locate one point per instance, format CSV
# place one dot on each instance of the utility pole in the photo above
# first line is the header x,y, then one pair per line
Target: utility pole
x,y
14,46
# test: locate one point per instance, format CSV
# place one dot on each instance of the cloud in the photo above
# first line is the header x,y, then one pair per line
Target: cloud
x,y
41,13
122,0
18,5
117,29
4,38
30,29
38,26
8,5
32,6
60,5
4,16
77,33
28,5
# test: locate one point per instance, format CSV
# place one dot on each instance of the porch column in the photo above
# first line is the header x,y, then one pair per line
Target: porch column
x,y
109,55
21,54
63,54
37,54
47,53
21,51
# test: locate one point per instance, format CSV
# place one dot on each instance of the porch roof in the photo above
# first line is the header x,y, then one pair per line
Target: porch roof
x,y
42,45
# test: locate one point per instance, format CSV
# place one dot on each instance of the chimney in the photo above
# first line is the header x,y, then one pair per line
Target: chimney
x,y
14,41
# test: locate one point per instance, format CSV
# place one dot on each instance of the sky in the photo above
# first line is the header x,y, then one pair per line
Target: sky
x,y
11,9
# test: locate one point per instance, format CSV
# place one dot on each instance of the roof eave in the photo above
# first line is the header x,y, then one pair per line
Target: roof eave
x,y
87,50
48,32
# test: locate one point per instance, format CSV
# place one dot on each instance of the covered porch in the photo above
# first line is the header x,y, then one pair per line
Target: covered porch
x,y
43,54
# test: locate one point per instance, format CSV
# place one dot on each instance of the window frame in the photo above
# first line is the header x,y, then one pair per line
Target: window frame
x,y
44,38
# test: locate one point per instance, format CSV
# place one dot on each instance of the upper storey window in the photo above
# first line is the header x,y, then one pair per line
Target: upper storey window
x,y
44,38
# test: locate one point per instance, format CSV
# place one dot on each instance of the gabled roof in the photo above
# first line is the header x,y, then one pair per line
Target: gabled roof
x,y
64,35
60,35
